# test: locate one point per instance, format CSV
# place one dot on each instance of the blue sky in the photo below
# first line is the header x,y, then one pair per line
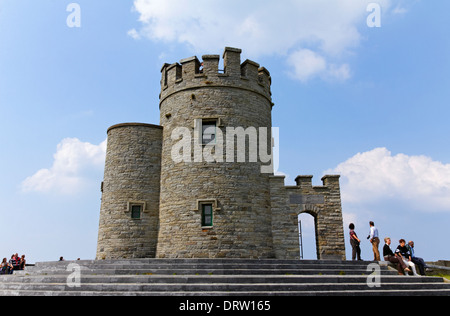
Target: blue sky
x,y
370,104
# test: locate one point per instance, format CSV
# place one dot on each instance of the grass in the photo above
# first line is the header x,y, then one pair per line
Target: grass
x,y
442,275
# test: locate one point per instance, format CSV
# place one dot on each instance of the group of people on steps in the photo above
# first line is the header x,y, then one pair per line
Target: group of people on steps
x,y
404,256
14,264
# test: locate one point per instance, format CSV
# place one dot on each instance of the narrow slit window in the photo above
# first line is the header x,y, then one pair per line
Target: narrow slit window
x,y
207,215
209,131
136,211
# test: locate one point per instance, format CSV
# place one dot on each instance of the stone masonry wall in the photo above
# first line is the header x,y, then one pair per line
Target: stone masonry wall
x,y
322,202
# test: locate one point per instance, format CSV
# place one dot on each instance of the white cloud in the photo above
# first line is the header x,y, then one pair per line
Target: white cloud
x,y
341,72
377,175
307,64
399,10
73,164
291,28
134,34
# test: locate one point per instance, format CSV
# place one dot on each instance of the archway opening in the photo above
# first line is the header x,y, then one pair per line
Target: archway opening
x,y
307,236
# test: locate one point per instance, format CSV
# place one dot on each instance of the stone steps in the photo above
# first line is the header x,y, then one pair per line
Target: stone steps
x,y
209,277
204,262
211,267
216,287
223,279
418,293
200,271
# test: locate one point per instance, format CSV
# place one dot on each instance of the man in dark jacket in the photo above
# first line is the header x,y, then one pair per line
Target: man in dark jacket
x,y
392,258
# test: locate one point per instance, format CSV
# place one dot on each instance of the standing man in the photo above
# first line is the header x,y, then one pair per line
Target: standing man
x,y
375,241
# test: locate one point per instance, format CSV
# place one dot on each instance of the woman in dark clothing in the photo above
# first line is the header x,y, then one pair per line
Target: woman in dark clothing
x,y
355,242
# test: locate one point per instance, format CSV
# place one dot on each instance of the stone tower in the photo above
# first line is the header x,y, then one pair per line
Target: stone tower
x,y
193,97
201,185
130,192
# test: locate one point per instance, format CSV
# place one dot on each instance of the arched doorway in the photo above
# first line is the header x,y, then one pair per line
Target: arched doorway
x,y
308,236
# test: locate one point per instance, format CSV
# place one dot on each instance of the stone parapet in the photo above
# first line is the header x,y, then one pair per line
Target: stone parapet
x,y
191,74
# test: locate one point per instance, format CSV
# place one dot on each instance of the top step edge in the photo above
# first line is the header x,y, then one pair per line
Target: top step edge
x,y
221,260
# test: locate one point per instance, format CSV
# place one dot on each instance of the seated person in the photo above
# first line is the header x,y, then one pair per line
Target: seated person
x,y
392,258
6,267
405,254
14,263
22,262
17,262
418,261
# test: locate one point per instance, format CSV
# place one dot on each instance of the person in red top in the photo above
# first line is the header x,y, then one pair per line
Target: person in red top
x,y
355,242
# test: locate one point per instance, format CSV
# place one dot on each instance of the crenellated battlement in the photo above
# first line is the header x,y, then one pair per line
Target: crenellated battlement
x,y
191,73
330,182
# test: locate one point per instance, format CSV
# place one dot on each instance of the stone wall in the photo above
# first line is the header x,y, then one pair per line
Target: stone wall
x,y
322,202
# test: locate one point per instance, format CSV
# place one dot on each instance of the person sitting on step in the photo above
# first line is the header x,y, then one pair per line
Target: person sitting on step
x,y
389,256
405,254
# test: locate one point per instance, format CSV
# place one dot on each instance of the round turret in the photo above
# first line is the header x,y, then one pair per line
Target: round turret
x,y
130,192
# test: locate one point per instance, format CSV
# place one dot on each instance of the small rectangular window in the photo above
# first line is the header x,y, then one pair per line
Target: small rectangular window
x,y
209,132
207,215
136,211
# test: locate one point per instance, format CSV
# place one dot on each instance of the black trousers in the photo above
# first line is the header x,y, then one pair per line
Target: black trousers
x,y
356,250
420,263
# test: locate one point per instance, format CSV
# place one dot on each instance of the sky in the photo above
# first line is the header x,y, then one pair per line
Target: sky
x,y
361,89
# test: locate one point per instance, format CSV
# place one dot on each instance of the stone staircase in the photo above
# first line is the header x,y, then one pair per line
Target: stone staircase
x,y
213,277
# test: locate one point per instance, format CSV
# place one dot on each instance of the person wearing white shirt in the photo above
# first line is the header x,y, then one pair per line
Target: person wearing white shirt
x,y
375,241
